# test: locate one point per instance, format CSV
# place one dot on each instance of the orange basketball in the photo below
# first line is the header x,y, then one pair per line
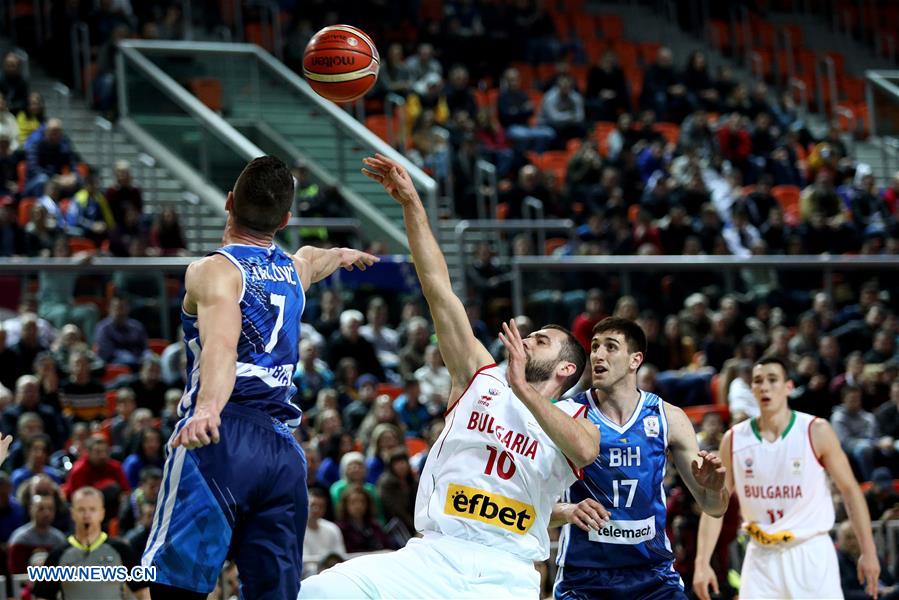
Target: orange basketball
x,y
341,63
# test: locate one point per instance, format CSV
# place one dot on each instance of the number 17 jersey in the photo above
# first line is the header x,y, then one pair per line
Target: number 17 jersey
x,y
627,479
493,475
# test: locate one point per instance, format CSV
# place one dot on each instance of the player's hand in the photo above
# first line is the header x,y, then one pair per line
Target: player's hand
x,y
869,572
709,474
703,577
587,514
515,374
350,258
392,176
5,441
201,429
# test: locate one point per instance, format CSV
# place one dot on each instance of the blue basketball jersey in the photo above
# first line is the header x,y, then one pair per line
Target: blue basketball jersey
x,y
626,478
271,305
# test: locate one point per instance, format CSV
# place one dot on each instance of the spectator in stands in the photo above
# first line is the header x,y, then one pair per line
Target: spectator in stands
x,y
27,426
412,410
887,415
459,96
394,77
88,213
126,232
563,110
312,375
385,438
825,216
356,411
13,84
38,535
397,487
515,109
31,117
663,91
12,516
356,519
137,536
701,90
607,92
740,234
384,339
50,154
882,497
37,455
54,219
97,469
856,430
27,399
28,346
848,553
166,234
9,128
349,343
83,398
434,380
120,339
740,400
322,536
149,388
412,354
710,432
147,492
883,348
353,472
149,453
104,83
11,235
41,485
735,143
124,194
422,64
57,293
118,427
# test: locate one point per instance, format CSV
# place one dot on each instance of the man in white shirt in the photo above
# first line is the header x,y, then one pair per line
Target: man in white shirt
x,y
385,340
740,400
322,536
434,378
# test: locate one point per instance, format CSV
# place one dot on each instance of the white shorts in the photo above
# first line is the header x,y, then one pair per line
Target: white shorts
x,y
435,566
805,570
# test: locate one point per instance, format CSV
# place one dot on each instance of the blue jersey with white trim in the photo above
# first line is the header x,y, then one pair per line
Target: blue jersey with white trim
x,y
627,478
271,305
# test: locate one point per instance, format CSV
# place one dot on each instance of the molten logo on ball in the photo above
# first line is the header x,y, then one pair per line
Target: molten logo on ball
x,y
341,63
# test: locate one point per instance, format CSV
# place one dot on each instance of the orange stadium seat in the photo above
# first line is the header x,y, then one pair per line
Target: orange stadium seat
x,y
377,124
788,198
671,131
611,26
391,390
696,413
256,33
415,445
157,345
208,90
113,371
79,244
25,206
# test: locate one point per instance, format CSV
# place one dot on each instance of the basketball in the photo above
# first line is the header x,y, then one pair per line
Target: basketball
x,y
341,63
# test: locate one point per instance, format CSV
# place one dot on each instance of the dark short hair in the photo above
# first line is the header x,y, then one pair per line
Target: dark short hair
x,y
572,352
150,474
849,389
633,333
773,360
38,437
263,194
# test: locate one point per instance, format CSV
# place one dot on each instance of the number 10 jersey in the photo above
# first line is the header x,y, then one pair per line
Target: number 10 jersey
x,y
493,475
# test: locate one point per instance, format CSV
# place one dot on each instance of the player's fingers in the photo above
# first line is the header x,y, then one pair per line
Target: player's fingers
x,y
5,441
580,522
714,582
702,589
214,433
202,436
372,174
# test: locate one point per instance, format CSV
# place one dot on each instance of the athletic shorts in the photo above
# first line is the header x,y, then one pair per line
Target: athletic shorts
x,y
435,566
652,582
808,569
244,497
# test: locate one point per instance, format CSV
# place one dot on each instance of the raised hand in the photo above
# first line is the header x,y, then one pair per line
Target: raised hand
x,y
515,373
392,176
5,441
709,474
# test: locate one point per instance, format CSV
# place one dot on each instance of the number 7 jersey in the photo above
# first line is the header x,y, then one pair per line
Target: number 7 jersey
x,y
493,475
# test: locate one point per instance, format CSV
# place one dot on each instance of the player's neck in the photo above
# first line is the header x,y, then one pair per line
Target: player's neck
x,y
620,402
236,235
548,389
775,421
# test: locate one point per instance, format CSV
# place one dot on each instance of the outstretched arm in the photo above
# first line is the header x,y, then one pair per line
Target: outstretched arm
x,y
462,353
213,294
314,264
831,455
709,530
702,472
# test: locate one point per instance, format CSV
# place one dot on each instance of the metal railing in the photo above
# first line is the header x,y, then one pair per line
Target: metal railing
x,y
486,194
826,264
464,227
348,133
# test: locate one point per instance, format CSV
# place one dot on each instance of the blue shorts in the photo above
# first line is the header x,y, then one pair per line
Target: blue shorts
x,y
653,582
244,497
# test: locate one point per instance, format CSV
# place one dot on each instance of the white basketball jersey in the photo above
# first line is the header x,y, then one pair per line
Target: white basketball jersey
x,y
493,474
782,487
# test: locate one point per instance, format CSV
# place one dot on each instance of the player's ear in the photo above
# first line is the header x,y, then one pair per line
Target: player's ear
x,y
636,360
284,221
229,201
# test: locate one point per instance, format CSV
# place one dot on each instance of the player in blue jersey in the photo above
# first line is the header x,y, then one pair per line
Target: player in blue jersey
x,y
618,547
235,477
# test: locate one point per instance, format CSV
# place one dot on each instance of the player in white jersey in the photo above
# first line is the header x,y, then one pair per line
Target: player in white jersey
x,y
778,465
507,451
